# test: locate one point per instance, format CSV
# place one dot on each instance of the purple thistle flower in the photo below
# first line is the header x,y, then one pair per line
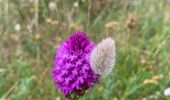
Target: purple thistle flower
x,y
72,71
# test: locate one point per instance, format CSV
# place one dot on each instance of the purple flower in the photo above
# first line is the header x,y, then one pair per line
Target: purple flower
x,y
72,71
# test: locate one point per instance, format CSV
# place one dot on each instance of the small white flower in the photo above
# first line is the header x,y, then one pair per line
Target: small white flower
x,y
52,6
17,27
76,4
102,58
2,70
167,92
58,98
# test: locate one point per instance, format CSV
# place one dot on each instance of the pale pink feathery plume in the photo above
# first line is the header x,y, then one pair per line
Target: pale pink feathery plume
x,y
103,57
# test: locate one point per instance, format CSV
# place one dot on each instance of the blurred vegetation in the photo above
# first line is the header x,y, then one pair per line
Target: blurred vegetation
x,y
31,30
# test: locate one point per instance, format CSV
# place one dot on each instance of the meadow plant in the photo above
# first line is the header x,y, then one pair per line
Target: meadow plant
x,y
103,57
76,69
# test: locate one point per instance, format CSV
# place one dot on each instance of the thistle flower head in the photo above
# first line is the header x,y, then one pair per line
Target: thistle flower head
x,y
103,57
72,71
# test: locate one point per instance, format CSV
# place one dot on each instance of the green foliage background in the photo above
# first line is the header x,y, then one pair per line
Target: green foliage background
x,y
141,29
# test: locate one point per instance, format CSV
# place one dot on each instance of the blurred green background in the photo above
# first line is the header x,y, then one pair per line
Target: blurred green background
x,y
32,30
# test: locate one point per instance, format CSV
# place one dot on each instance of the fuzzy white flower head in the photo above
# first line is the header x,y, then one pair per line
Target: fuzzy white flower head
x,y
76,4
17,27
167,92
52,6
103,57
